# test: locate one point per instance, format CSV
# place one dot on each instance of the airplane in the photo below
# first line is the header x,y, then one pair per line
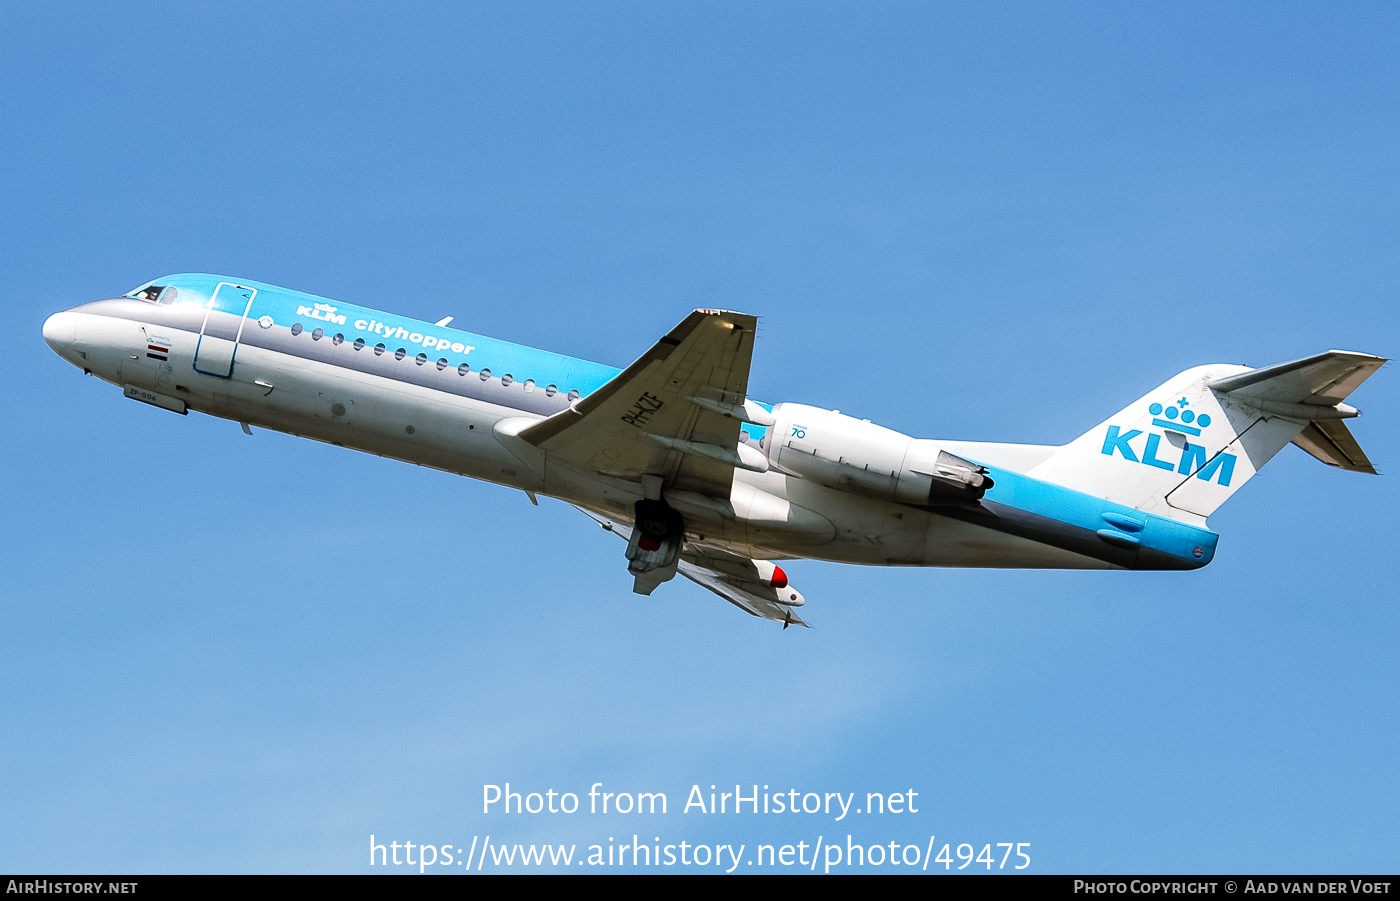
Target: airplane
x,y
673,456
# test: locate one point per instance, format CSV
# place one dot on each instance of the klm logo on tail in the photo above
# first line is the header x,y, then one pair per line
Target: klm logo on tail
x,y
1179,418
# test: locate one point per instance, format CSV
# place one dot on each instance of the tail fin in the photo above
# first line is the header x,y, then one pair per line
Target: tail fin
x,y
1184,449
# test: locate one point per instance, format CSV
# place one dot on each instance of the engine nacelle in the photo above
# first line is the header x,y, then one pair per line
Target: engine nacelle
x,y
861,457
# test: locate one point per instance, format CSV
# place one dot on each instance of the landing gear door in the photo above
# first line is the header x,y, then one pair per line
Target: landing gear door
x,y
214,354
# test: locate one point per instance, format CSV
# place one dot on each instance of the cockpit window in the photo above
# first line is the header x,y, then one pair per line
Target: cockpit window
x,y
157,293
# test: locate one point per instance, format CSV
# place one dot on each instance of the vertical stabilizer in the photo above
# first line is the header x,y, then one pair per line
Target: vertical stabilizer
x,y
1187,447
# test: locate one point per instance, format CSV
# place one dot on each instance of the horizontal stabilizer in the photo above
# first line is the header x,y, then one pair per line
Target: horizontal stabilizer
x,y
1330,441
1311,389
1323,379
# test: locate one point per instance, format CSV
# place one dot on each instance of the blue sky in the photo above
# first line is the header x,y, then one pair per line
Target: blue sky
x,y
996,222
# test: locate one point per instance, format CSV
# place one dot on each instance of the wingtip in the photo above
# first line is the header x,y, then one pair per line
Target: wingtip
x,y
792,619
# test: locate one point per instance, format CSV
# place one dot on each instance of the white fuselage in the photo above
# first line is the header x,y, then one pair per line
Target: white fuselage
x,y
392,417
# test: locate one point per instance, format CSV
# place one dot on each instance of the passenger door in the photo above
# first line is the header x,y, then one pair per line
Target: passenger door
x,y
214,355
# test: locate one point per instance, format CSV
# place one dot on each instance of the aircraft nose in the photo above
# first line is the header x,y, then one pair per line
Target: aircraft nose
x,y
60,330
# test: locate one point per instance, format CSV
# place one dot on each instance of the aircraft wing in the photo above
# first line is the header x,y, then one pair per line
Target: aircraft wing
x,y
742,581
675,413
739,581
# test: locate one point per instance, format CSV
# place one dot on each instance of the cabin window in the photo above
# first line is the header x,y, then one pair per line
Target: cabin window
x,y
442,364
421,359
485,374
318,334
551,390
400,354
338,340
463,369
359,344
573,394
296,328
379,349
507,379
529,385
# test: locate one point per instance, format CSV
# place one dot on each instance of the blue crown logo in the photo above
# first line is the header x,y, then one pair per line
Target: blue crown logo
x,y
1178,417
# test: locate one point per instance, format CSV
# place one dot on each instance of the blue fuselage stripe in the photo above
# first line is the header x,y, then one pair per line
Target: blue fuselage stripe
x,y
1193,545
